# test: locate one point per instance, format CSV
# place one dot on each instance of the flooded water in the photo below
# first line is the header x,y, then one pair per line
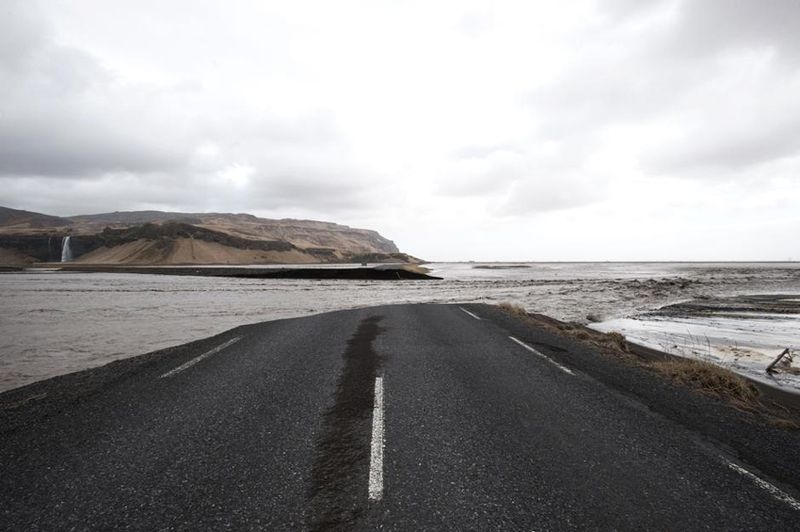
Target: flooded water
x,y
743,333
53,323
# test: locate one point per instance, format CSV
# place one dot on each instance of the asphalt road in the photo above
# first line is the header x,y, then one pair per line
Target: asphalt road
x,y
403,417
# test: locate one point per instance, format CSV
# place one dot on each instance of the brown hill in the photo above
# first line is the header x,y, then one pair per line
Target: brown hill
x,y
155,237
302,233
13,221
189,251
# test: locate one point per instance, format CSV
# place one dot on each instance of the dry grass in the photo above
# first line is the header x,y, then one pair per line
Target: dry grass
x,y
783,423
514,309
613,342
702,376
711,379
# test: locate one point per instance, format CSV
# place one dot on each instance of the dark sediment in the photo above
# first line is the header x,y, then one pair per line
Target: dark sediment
x,y
376,274
342,455
771,304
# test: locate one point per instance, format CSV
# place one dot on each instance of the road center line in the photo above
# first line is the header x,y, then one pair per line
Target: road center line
x,y
535,352
376,454
766,486
197,359
470,313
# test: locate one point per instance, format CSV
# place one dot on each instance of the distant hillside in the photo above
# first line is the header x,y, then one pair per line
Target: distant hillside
x,y
301,233
15,220
155,237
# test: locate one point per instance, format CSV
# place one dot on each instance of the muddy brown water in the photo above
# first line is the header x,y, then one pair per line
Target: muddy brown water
x,y
53,323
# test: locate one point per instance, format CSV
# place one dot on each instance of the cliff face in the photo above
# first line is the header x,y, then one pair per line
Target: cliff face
x,y
154,237
301,233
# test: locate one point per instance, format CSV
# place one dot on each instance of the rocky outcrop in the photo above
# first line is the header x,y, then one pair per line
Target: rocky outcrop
x,y
43,248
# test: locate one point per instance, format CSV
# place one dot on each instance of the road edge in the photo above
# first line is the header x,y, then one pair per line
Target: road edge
x,y
750,438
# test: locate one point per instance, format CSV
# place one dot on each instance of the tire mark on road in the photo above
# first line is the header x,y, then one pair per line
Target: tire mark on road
x,y
338,491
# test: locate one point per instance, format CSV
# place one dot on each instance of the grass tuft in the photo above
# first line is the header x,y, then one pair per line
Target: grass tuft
x,y
613,342
711,379
514,309
617,340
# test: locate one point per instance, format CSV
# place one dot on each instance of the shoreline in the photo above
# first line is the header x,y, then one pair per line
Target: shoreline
x,y
365,273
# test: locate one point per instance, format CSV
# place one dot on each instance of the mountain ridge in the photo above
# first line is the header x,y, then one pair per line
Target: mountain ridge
x,y
160,237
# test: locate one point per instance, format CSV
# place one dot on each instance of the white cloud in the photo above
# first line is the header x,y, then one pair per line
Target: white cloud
x,y
599,130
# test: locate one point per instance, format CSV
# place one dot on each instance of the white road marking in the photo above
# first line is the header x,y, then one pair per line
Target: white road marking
x,y
470,313
534,351
763,484
376,454
205,355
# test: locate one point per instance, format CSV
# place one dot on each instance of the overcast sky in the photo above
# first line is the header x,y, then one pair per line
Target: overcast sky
x,y
581,130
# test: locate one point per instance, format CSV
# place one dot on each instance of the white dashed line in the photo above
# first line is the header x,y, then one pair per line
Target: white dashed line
x,y
766,486
376,454
470,313
205,355
534,351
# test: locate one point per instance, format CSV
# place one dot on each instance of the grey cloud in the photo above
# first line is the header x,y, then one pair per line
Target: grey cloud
x,y
70,197
66,119
61,146
714,25
60,114
671,74
265,129
482,170
475,23
322,191
481,151
73,127
625,9
22,32
520,180
313,191
623,76
591,96
721,153
545,193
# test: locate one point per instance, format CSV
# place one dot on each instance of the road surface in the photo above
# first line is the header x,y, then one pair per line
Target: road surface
x,y
404,417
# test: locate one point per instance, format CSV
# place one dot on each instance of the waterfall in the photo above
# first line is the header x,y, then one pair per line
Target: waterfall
x,y
66,252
